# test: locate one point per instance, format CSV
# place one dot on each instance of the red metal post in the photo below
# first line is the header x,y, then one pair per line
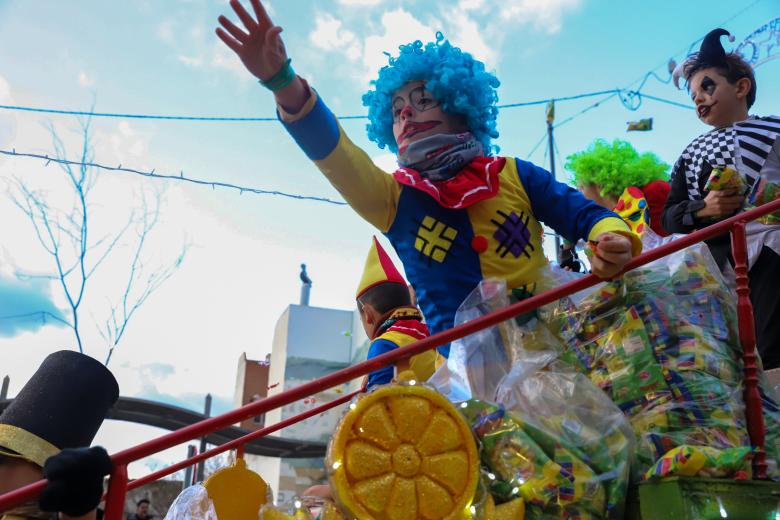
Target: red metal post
x,y
194,479
117,489
747,334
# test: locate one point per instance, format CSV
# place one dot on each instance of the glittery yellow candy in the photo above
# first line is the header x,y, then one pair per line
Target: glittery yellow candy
x,y
512,510
403,452
330,512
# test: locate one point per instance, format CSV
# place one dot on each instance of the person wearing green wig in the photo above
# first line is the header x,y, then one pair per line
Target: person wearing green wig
x,y
618,177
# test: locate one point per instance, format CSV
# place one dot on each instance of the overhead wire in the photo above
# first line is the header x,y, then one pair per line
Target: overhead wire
x,y
630,98
181,177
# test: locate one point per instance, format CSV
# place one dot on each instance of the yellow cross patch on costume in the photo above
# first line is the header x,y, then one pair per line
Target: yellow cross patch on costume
x,y
434,238
379,269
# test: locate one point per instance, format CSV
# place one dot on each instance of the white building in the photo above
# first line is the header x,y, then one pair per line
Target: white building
x,y
309,342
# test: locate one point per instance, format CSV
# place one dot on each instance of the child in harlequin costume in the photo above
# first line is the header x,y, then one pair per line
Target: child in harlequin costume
x,y
454,213
390,319
733,167
616,176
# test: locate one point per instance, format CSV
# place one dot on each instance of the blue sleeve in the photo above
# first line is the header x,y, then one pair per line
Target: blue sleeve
x,y
317,133
558,205
384,375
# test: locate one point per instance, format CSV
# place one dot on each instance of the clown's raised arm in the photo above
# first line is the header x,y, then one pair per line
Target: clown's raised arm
x,y
454,212
369,190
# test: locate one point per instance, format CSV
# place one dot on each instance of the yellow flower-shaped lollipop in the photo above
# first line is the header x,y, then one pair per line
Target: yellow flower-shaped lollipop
x,y
403,452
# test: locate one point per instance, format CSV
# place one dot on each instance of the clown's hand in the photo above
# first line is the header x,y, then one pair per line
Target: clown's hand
x,y
611,254
258,45
262,51
75,480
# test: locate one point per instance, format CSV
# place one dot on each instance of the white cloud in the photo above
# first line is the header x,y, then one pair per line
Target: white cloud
x,y
543,15
354,52
467,34
469,5
399,27
7,119
85,80
125,144
330,35
125,129
359,2
224,58
388,162
5,90
190,61
465,23
165,31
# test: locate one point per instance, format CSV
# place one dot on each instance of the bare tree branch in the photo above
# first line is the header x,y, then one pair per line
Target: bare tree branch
x,y
149,219
42,314
66,237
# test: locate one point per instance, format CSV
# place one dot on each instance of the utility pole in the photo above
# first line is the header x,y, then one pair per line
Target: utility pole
x,y
202,464
4,389
551,143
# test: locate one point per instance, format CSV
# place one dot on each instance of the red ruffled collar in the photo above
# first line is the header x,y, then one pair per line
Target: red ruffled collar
x,y
476,182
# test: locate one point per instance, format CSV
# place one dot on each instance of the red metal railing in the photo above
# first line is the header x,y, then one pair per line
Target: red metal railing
x,y
118,484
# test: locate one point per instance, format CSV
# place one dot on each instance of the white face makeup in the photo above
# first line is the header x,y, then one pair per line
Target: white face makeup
x,y
417,114
718,102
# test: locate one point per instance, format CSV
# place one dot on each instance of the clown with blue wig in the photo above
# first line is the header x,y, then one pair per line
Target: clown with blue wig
x,y
455,211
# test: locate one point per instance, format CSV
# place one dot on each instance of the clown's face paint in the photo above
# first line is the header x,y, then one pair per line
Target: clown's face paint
x,y
718,102
417,114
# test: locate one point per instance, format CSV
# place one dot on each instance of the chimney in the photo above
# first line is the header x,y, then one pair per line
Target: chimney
x,y
305,287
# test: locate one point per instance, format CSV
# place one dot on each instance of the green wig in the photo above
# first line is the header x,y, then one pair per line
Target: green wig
x,y
614,167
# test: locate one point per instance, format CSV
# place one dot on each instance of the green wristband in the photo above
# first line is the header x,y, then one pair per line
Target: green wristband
x,y
281,79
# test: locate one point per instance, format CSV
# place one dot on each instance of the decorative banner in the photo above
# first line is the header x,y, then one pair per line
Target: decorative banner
x,y
762,45
643,125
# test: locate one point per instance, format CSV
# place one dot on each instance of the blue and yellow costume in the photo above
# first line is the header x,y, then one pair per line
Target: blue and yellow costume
x,y
400,327
447,252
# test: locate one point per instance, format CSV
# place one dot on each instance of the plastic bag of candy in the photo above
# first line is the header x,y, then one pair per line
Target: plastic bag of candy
x,y
297,510
765,192
582,430
662,343
478,362
703,461
725,179
547,434
193,503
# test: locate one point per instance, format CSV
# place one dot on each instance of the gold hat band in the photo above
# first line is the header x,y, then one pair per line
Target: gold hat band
x,y
26,445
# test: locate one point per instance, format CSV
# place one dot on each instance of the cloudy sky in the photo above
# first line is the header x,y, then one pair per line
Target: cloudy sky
x,y
241,268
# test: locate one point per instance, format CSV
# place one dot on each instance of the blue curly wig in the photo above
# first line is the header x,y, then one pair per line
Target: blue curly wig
x,y
458,81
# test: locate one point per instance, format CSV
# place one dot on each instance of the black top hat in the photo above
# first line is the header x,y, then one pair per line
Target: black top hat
x,y
61,406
